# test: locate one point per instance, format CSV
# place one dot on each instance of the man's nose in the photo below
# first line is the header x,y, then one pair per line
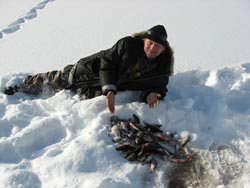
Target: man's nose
x,y
153,47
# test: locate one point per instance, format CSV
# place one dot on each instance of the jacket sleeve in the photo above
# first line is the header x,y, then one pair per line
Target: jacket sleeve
x,y
110,64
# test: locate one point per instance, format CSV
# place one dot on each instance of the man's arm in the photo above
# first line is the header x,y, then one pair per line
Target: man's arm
x,y
109,69
110,100
110,65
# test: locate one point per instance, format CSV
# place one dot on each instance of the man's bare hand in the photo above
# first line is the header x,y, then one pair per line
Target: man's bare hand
x,y
111,101
153,99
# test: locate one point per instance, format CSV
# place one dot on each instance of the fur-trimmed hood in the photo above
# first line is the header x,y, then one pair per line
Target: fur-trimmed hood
x,y
141,35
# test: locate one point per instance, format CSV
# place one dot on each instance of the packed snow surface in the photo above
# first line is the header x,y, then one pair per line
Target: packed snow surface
x,y
59,141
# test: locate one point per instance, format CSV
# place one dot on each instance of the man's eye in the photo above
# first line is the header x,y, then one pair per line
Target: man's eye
x,y
150,43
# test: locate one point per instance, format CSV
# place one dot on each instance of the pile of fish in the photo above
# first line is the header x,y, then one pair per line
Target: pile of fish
x,y
147,143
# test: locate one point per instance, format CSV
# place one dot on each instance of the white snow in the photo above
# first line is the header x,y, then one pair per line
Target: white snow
x,y
60,141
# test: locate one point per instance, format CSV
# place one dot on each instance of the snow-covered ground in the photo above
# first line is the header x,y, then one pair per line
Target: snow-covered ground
x,y
59,141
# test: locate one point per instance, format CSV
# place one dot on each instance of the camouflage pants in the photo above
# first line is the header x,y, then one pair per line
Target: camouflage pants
x,y
53,80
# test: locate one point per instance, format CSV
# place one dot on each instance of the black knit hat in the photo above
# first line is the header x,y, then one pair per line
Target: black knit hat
x,y
157,34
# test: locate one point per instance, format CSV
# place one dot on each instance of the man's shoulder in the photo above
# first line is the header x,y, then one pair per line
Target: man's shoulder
x,y
129,43
129,40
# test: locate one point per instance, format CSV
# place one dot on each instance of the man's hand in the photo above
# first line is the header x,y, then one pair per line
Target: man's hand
x,y
153,99
111,101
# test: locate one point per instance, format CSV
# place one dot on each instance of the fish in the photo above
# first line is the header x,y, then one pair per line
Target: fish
x,y
188,139
148,138
114,120
124,146
145,157
161,136
153,165
146,142
115,131
132,157
169,150
136,119
153,128
133,126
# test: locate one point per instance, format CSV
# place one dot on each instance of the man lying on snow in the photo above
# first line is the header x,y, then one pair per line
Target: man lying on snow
x,y
141,62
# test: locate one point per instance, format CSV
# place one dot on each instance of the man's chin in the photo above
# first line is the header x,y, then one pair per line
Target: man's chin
x,y
150,56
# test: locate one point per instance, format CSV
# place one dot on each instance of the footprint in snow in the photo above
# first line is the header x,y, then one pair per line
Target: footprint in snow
x,y
31,14
8,153
11,29
40,134
17,22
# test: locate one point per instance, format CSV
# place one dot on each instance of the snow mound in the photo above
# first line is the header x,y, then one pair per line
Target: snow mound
x,y
59,141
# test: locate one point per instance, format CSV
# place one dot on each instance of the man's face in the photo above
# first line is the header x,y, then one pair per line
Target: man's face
x,y
152,49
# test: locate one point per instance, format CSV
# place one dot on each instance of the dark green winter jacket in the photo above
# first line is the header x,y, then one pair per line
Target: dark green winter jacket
x,y
123,67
